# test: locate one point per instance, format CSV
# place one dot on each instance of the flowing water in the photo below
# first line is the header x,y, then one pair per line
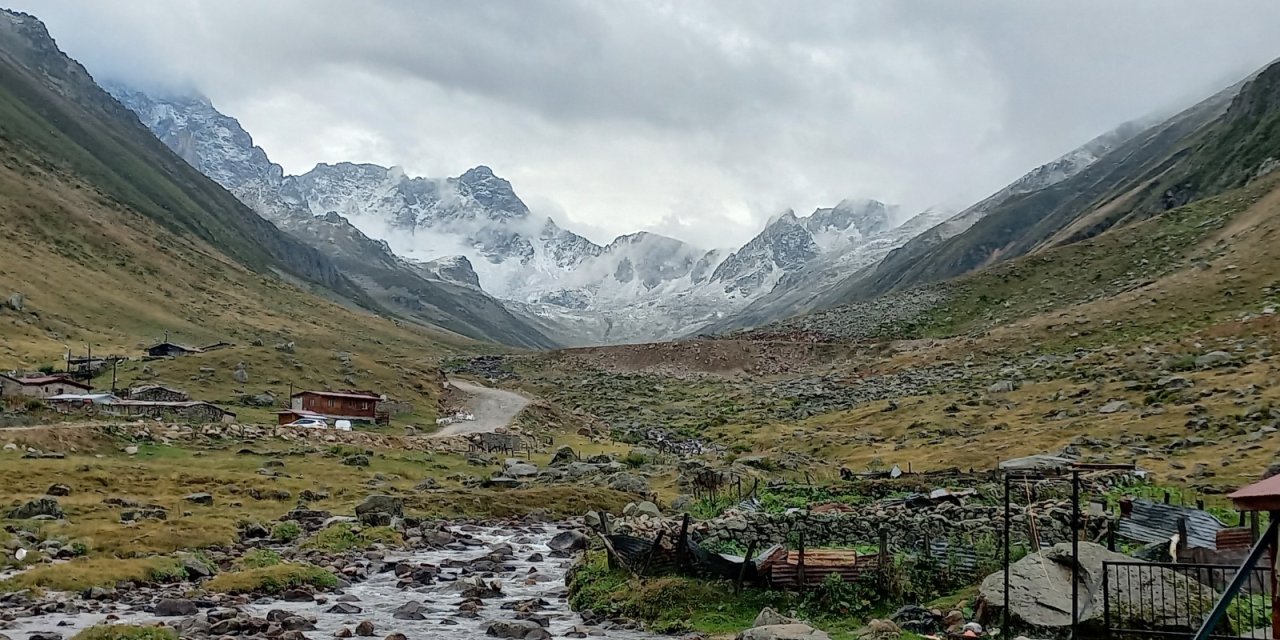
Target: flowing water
x,y
379,596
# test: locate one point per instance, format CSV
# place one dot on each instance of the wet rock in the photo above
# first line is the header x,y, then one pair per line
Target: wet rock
x,y
519,629
45,506
59,490
173,607
297,595
397,636
411,610
343,633
344,608
568,541
365,629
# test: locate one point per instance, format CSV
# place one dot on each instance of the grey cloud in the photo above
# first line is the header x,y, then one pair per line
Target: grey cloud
x,y
697,119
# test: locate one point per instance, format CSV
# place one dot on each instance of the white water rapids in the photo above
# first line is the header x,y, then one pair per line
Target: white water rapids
x,y
379,596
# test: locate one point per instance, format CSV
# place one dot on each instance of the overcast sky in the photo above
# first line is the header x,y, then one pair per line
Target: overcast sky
x,y
697,119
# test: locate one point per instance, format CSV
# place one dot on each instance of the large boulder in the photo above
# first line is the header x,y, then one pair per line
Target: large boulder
x,y
378,511
769,617
568,541
1040,591
564,456
629,483
783,632
521,470
174,607
45,507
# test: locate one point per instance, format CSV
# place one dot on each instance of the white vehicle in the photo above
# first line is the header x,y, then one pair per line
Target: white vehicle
x,y
309,423
342,425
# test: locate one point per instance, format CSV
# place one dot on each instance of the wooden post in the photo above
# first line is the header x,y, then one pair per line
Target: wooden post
x,y
1167,497
1200,504
800,577
1254,525
604,535
682,545
653,551
742,571
1182,540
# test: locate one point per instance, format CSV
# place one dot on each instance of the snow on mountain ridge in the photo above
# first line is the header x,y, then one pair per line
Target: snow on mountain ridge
x,y
475,231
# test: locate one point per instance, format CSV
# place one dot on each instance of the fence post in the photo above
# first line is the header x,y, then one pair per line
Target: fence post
x,y
883,555
800,577
1106,593
742,571
682,545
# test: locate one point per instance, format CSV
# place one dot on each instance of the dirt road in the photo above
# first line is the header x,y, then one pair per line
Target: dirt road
x,y
493,408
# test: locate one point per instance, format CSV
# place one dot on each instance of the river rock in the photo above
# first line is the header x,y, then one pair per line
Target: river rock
x,y
344,608
514,629
411,610
365,629
173,607
45,506
568,542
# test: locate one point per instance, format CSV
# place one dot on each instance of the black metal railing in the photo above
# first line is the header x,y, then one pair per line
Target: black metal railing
x,y
1173,600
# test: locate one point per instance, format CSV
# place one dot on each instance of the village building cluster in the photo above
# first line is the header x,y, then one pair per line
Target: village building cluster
x,y
71,393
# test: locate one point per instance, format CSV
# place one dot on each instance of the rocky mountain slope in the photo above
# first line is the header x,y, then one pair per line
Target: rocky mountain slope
x,y
111,240
1127,174
640,286
222,150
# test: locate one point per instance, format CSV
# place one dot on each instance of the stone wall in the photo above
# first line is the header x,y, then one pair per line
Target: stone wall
x,y
970,525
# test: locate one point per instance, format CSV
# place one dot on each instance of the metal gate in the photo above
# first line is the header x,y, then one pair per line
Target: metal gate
x,y
1172,600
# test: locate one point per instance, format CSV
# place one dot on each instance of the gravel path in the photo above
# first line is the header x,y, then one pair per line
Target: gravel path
x,y
493,408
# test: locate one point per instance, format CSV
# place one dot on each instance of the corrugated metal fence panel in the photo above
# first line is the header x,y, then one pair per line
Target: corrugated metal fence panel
x,y
1152,521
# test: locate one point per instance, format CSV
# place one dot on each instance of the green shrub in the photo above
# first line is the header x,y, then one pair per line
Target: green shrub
x,y
347,537
273,579
286,531
259,558
125,632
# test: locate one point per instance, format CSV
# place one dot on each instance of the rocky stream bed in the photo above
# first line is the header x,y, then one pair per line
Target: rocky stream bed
x,y
501,581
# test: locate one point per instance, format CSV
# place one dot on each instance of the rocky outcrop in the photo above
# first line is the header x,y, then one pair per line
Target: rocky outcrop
x,y
1040,592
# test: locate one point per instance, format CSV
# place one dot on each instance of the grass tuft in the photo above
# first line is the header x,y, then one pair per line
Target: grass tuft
x,y
125,632
272,579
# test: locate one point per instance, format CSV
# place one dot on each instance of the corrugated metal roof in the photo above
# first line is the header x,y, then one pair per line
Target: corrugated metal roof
x,y
353,395
1152,521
